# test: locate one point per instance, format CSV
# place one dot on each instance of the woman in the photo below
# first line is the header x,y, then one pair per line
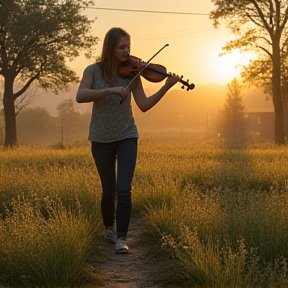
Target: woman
x,y
113,132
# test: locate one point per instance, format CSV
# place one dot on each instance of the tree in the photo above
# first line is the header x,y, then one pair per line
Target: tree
x,y
260,26
1,110
23,100
259,74
34,125
232,124
68,117
37,37
26,98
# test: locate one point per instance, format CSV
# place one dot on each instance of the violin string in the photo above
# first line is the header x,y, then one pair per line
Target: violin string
x,y
146,65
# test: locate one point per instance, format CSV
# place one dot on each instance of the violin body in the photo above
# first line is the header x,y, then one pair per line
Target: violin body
x,y
152,72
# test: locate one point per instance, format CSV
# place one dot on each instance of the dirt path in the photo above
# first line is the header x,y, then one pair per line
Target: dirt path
x,y
133,270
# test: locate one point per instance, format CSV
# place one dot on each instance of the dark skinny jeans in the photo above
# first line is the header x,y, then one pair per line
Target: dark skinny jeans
x,y
116,182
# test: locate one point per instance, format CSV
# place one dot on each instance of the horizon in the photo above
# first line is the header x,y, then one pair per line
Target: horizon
x,y
254,98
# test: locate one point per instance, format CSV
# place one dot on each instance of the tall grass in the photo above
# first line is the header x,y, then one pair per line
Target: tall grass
x,y
36,252
219,214
37,173
216,217
50,225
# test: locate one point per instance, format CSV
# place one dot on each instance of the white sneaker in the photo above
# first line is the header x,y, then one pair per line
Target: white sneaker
x,y
121,246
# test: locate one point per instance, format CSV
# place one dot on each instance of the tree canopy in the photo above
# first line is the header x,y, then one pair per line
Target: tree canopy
x,y
37,39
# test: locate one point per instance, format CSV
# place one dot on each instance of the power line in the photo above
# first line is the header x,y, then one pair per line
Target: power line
x,y
176,34
149,11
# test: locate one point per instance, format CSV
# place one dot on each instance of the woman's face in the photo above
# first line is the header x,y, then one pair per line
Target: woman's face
x,y
122,49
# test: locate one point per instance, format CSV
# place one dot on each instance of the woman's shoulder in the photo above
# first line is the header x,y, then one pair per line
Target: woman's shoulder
x,y
92,68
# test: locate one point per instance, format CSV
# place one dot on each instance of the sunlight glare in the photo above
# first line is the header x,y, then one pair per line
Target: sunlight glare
x,y
227,66
224,68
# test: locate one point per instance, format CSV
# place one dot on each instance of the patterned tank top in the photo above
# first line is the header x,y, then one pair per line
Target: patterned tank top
x,y
110,120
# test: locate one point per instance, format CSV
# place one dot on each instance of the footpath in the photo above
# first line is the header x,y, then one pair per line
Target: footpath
x,y
134,270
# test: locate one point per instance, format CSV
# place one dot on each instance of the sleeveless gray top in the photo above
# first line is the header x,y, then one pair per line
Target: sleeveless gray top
x,y
110,120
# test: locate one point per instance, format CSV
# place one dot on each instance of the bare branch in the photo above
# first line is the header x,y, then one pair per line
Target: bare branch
x,y
26,86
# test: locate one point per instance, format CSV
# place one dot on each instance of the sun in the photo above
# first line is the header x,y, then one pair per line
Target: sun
x,y
224,68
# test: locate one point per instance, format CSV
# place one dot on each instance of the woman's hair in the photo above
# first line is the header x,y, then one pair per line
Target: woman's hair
x,y
107,62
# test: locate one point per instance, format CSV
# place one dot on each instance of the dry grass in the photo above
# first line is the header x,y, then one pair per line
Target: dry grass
x,y
218,216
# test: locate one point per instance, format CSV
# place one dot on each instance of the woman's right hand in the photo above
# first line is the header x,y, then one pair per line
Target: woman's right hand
x,y
121,91
85,92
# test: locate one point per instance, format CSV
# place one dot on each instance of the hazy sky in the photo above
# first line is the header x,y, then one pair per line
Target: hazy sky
x,y
194,45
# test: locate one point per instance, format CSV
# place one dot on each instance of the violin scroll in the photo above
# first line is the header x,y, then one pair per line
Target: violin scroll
x,y
186,83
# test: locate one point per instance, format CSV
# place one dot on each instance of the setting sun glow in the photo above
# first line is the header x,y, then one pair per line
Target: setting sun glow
x,y
225,67
194,44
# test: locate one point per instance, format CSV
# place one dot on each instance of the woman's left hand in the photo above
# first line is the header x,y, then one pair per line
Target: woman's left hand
x,y
172,80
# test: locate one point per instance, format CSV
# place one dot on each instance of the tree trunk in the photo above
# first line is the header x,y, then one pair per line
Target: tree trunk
x,y
277,97
285,105
9,115
285,108
286,121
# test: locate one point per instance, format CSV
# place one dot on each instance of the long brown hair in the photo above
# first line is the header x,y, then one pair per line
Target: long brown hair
x,y
107,62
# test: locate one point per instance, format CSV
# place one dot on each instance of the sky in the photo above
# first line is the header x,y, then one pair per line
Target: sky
x,y
194,44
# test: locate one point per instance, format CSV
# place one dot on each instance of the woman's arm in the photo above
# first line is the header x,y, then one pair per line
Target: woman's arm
x,y
85,92
145,103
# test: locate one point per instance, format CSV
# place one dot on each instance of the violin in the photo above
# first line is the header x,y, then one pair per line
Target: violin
x,y
130,69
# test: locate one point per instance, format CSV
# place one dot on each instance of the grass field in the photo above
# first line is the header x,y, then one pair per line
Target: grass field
x,y
217,217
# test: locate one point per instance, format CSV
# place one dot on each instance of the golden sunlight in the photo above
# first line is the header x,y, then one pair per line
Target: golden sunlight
x,y
226,67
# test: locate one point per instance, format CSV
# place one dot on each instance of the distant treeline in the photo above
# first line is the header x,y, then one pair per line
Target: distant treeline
x,y
37,126
178,113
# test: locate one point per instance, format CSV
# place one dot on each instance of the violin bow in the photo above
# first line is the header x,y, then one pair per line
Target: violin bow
x,y
145,66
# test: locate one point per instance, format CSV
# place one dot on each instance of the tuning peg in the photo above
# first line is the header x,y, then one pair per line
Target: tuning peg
x,y
182,87
187,89
181,76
